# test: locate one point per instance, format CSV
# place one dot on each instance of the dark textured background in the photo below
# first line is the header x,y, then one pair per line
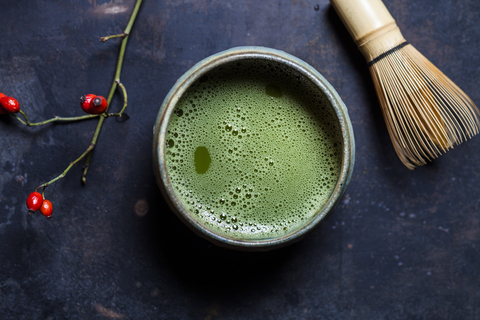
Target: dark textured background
x,y
401,245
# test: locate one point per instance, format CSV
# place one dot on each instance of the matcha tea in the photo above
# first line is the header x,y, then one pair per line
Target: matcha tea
x,y
253,150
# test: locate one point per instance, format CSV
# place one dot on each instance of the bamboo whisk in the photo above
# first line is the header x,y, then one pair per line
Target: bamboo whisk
x,y
425,112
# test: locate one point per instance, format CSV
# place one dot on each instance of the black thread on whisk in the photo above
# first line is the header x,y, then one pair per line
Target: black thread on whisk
x,y
386,53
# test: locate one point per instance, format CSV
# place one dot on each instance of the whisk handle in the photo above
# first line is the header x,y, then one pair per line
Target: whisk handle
x,y
364,19
370,24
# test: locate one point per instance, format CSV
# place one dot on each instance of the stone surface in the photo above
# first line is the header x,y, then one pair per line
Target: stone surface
x,y
401,245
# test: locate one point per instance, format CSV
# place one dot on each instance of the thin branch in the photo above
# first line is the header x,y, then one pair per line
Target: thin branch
x,y
116,81
89,149
121,35
88,152
54,119
125,99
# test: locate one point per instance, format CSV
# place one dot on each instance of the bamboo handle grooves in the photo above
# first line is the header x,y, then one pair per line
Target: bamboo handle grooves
x,y
376,33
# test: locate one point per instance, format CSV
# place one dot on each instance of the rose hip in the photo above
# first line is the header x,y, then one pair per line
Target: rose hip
x,y
46,208
9,104
34,202
85,102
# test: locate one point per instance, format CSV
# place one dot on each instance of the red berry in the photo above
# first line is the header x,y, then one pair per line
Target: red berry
x,y
9,104
46,208
85,102
2,111
98,105
34,201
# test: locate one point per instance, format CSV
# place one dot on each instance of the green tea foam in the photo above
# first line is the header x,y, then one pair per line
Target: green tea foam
x,y
253,150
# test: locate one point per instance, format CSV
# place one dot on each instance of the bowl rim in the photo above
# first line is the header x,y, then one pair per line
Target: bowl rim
x,y
196,72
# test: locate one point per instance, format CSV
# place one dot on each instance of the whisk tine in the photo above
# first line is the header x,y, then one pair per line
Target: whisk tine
x,y
461,107
420,104
425,112
396,104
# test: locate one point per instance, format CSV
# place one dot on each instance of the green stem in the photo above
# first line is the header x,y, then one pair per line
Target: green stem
x,y
89,149
54,119
121,35
125,99
116,81
85,168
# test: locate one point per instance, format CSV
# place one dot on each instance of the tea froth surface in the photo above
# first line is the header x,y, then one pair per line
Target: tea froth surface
x,y
253,150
